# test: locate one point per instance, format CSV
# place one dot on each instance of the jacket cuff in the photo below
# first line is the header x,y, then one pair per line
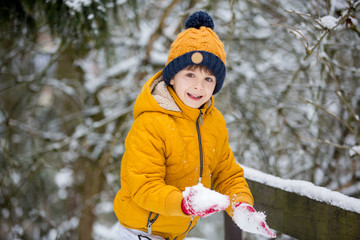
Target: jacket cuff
x,y
245,198
173,204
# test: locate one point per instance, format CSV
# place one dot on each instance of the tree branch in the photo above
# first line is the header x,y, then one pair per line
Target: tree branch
x,y
330,114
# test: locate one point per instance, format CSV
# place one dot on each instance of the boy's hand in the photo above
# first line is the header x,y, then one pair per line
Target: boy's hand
x,y
249,220
201,201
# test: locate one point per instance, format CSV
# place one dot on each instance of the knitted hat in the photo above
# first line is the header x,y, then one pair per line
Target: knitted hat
x,y
197,45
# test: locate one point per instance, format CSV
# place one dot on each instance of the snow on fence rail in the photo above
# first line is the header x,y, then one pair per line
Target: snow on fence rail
x,y
306,189
300,209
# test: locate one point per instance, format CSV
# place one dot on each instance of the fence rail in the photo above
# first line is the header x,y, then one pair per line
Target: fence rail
x,y
298,216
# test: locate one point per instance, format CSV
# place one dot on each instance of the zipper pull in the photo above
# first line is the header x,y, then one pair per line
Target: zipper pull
x,y
200,117
149,228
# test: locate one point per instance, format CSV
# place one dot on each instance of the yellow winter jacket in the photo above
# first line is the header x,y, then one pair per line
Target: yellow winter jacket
x,y
171,146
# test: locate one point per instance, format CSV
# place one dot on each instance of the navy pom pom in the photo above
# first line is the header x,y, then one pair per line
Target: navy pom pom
x,y
199,19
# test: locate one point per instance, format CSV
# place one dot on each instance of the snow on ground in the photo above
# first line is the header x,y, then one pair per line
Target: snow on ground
x,y
304,188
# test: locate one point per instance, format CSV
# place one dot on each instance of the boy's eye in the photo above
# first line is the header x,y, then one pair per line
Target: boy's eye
x,y
190,75
209,79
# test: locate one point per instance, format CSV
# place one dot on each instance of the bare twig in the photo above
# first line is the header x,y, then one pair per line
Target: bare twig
x,y
348,14
314,22
295,32
325,142
66,141
330,144
330,114
306,17
337,92
157,33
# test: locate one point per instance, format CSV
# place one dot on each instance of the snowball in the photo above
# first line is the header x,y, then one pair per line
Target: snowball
x,y
205,198
248,221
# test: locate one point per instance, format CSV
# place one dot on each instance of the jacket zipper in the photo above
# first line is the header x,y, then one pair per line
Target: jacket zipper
x,y
199,121
151,221
192,218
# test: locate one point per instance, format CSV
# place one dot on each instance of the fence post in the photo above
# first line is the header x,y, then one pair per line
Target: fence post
x,y
232,231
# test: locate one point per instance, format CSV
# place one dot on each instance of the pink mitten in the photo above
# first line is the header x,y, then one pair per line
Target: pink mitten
x,y
201,201
249,220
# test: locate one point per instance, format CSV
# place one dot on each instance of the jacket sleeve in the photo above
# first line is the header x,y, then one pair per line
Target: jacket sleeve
x,y
143,167
228,175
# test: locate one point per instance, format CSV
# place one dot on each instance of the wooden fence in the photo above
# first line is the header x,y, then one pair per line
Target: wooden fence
x,y
298,216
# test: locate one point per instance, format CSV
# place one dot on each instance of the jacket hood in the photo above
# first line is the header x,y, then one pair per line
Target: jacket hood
x,y
156,96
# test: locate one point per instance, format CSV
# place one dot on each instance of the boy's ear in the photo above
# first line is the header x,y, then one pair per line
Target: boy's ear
x,y
172,81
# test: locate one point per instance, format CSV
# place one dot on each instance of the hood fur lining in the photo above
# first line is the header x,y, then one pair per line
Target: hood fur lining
x,y
162,95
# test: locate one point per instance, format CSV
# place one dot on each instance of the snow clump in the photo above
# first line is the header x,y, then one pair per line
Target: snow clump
x,y
328,22
206,198
355,150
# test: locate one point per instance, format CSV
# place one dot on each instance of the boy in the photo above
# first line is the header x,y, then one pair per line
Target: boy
x,y
177,148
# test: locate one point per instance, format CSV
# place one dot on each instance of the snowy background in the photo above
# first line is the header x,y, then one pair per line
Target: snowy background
x,y
71,70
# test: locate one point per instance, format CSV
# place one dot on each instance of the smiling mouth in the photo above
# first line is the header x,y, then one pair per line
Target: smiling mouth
x,y
194,97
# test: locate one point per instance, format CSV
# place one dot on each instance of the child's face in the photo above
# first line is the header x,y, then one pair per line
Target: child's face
x,y
194,87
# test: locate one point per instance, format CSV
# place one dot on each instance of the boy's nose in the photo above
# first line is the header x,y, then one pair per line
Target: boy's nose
x,y
198,85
